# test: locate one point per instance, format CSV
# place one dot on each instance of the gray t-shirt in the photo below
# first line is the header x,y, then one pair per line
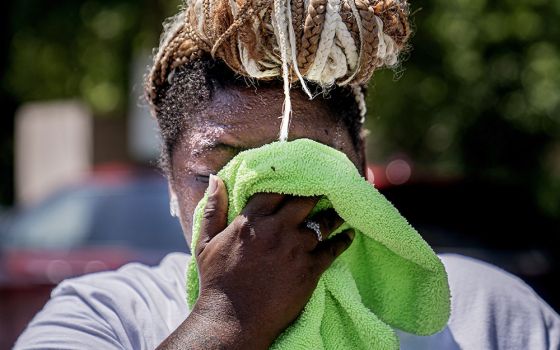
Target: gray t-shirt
x,y
137,307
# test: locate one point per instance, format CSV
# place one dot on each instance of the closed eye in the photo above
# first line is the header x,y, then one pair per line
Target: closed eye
x,y
202,178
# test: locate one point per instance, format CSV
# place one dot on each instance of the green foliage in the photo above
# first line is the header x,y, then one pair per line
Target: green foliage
x,y
478,95
81,48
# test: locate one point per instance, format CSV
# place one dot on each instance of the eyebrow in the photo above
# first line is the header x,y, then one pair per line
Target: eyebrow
x,y
224,146
218,146
219,140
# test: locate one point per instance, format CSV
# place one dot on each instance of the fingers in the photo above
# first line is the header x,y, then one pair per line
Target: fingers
x,y
262,204
327,251
214,218
328,221
295,209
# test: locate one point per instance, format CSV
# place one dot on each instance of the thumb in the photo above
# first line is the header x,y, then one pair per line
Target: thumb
x,y
214,217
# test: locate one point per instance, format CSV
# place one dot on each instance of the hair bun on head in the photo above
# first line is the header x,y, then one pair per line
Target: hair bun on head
x,y
326,42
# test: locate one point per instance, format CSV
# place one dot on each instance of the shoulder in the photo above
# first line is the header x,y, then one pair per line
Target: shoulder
x,y
493,309
136,307
474,283
132,279
490,309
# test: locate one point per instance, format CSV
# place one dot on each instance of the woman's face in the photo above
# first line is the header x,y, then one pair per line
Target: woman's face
x,y
242,118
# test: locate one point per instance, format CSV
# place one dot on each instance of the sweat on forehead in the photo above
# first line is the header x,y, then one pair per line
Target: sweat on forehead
x,y
252,122
206,91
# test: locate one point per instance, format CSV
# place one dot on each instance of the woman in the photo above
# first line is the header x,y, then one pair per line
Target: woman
x,y
215,91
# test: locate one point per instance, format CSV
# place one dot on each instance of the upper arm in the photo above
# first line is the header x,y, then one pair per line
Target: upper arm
x,y
135,307
493,309
68,322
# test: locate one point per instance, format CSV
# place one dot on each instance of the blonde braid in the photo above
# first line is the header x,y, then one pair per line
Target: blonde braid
x,y
244,12
326,42
313,26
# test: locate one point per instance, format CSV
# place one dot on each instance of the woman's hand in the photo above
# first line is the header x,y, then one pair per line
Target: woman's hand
x,y
257,274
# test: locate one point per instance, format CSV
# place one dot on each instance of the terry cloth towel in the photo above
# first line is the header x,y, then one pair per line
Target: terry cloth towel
x,y
388,278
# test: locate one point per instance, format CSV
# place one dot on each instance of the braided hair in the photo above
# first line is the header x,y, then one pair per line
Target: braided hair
x,y
321,45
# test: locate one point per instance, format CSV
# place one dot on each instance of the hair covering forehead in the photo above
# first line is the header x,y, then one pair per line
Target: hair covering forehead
x,y
327,42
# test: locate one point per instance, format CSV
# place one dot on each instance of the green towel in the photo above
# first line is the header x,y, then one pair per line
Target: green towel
x,y
388,278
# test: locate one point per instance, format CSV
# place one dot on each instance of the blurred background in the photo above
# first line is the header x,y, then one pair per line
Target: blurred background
x,y
464,140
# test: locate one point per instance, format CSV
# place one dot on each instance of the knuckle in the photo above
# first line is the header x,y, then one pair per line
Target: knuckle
x,y
264,230
198,250
211,210
310,201
244,226
255,215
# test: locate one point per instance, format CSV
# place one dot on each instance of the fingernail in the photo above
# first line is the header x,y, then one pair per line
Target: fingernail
x,y
212,184
351,234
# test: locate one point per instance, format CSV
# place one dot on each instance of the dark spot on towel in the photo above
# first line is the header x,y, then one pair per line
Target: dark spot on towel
x,y
273,168
327,131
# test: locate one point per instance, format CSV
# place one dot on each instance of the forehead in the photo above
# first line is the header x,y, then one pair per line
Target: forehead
x,y
243,118
254,113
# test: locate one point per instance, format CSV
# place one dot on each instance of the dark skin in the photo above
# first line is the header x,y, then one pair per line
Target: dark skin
x,y
257,273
